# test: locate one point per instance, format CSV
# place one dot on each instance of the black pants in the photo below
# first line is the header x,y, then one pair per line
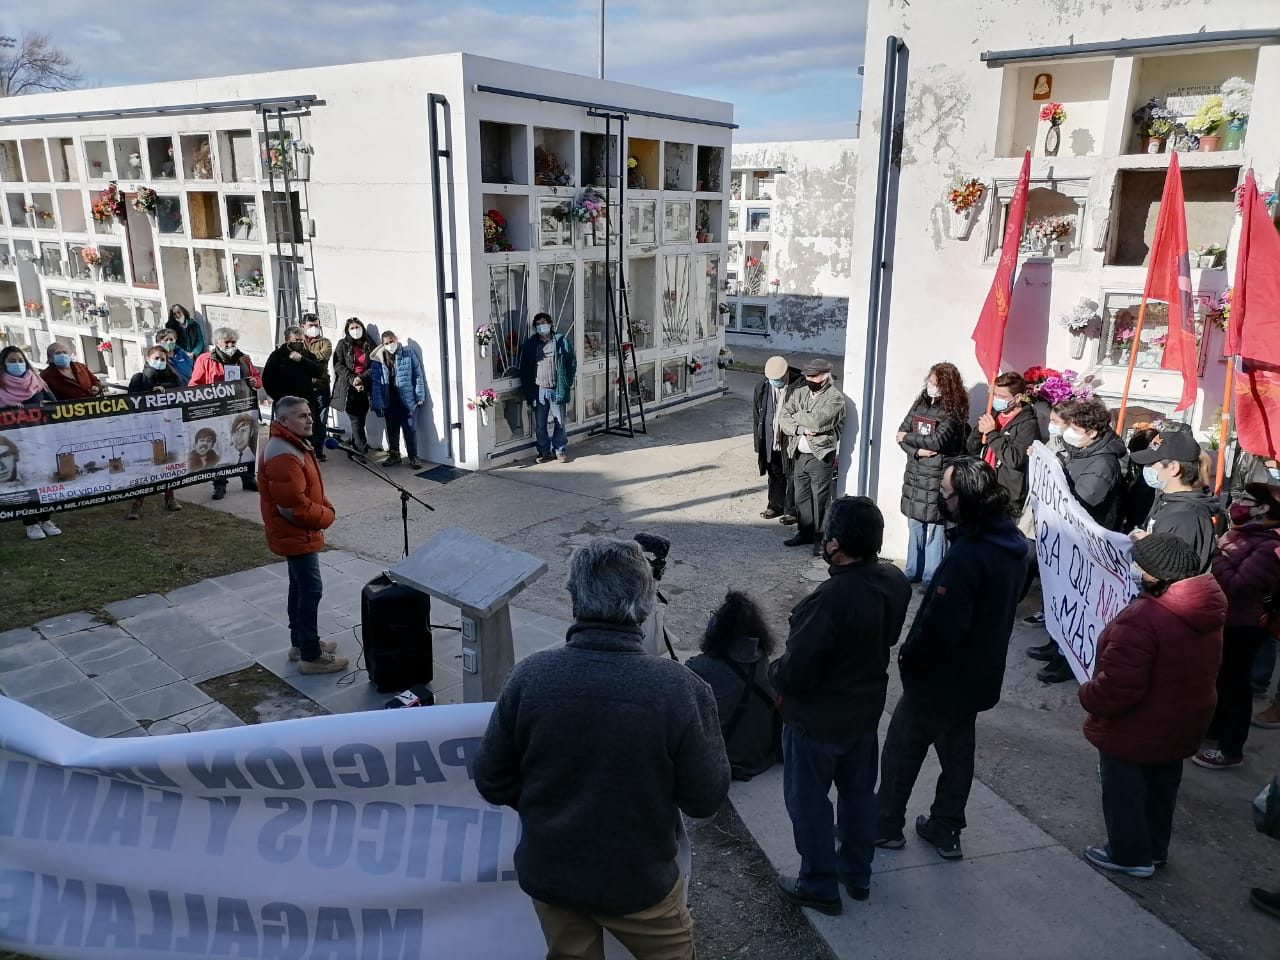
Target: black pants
x,y
319,414
1230,725
782,495
357,410
913,729
812,481
1137,804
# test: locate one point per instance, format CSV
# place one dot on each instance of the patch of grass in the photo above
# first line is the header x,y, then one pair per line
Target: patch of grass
x,y
102,557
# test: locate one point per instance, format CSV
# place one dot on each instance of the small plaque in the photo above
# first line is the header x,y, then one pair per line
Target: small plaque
x,y
1042,88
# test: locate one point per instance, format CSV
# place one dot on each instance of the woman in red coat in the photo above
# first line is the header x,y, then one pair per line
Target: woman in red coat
x,y
66,377
1151,699
1247,567
224,364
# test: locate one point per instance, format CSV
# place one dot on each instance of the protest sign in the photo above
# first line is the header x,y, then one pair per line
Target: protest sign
x,y
1084,568
59,456
357,835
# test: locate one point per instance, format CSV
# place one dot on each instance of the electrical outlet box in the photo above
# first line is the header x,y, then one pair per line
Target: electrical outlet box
x,y
470,661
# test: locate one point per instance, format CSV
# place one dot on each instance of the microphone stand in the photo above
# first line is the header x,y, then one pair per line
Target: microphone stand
x,y
405,496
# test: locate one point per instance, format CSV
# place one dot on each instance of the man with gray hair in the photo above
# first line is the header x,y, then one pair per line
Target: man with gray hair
x,y
226,363
597,746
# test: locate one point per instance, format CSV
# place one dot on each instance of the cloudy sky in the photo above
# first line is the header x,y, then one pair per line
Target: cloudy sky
x,y
789,69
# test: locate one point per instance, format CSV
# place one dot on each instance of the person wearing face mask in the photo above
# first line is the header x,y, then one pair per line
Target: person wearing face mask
x,y
832,681
812,420
780,381
952,661
225,363
187,329
1150,700
398,391
290,370
1183,507
156,376
1138,495
352,375
932,432
1247,567
181,362
21,386
547,368
321,349
67,378
1004,437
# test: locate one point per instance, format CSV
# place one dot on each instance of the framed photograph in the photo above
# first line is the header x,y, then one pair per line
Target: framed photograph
x,y
555,225
677,221
642,221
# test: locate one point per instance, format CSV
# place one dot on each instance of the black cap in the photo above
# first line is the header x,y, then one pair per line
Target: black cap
x,y
1177,445
1166,557
816,367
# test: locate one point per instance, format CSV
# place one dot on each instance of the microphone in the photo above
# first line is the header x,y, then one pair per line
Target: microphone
x,y
333,443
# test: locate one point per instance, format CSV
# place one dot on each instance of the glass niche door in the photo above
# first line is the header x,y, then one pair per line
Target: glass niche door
x,y
509,317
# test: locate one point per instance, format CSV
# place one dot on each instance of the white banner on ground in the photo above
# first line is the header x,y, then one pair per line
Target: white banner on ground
x,y
1084,568
351,836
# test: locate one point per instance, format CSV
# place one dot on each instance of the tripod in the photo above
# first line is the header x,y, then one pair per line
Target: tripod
x,y
405,496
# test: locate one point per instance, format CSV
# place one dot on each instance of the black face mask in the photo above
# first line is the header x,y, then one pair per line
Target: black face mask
x,y
944,508
815,387
828,555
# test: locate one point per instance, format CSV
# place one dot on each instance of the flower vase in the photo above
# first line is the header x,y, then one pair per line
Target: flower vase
x,y
31,221
1235,133
1078,340
302,161
1210,144
962,222
484,416
97,272
1060,248
1153,144
1052,140
484,349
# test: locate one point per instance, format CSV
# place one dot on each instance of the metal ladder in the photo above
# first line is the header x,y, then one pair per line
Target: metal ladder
x,y
286,222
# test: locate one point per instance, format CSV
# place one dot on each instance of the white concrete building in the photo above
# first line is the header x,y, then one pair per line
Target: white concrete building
x,y
317,189
790,240
967,96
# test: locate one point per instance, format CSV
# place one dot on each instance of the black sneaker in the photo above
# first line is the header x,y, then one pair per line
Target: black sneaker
x,y
1045,652
788,887
392,460
771,513
798,541
1268,901
1055,671
946,842
788,519
855,892
891,841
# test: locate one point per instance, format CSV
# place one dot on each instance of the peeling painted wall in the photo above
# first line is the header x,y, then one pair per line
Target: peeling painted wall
x,y
810,242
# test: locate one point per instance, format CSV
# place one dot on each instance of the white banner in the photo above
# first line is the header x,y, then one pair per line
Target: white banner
x,y
1084,568
352,836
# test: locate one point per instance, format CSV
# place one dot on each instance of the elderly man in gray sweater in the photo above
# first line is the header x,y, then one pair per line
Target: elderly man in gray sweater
x,y
599,746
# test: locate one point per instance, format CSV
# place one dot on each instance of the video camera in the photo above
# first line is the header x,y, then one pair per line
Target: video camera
x,y
658,546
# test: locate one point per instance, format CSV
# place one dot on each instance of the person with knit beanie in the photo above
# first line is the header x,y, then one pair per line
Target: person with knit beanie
x,y
1151,698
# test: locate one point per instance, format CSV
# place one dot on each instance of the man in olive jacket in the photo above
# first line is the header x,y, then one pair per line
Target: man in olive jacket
x,y
812,419
831,684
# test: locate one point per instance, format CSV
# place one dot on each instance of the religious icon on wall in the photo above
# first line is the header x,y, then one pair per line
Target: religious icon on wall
x,y
1042,89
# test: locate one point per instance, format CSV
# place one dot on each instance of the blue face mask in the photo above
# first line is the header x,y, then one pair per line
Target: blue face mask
x,y
1149,477
777,385
1274,473
62,360
999,404
15,368
157,364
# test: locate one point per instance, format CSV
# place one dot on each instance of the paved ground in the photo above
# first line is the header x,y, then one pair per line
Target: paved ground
x,y
693,479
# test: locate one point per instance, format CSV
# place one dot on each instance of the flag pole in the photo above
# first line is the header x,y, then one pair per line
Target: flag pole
x,y
1226,423
1133,357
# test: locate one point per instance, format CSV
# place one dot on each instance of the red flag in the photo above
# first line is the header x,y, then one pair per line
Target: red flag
x,y
1258,409
1254,328
988,335
1169,279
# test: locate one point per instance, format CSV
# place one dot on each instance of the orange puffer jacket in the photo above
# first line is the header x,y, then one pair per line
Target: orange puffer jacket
x,y
295,511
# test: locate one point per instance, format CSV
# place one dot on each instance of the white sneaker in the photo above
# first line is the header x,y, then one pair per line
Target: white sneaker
x,y
34,532
50,528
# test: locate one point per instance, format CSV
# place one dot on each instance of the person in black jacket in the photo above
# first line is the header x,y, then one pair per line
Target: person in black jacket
x,y
188,330
1138,496
952,661
931,433
780,381
736,649
156,376
290,370
1004,437
831,684
1183,505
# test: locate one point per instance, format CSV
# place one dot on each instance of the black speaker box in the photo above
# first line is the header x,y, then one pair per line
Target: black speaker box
x,y
395,621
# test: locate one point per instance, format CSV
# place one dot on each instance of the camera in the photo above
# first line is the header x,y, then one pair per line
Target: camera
x,y
658,546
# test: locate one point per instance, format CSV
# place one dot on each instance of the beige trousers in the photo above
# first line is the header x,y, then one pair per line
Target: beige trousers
x,y
663,932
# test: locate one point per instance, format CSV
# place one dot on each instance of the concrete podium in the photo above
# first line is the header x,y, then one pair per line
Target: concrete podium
x,y
479,577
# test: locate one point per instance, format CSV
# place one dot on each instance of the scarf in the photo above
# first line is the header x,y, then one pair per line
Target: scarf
x,y
1002,421
16,391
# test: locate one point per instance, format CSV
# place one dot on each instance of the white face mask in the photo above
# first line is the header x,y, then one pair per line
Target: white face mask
x,y
1073,437
392,347
356,333
313,331
1054,430
543,329
932,390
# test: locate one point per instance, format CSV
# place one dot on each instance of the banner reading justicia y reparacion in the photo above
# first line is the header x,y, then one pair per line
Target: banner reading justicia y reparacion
x,y
60,456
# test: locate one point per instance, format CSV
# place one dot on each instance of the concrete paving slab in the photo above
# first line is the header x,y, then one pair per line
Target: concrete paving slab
x,y
187,628
136,606
130,681
451,694
245,579
69,623
336,558
104,720
163,702
162,728
131,654
131,732
194,593
27,653
11,638
354,697
272,639
94,643
38,677
213,716
65,700
207,660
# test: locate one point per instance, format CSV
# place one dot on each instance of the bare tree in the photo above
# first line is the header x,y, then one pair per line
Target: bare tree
x,y
32,64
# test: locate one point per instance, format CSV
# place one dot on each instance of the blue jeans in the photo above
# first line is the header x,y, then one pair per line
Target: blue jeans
x,y
545,408
400,417
926,546
305,590
809,769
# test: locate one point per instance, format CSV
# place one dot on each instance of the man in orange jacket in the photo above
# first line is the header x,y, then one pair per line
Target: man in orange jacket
x,y
295,514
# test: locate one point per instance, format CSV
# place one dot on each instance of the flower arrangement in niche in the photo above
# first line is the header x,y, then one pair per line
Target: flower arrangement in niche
x,y
1082,314
1220,311
1054,113
90,256
694,366
33,306
485,334
495,233
483,400
635,179
1208,119
1046,230
588,208
104,346
145,200
277,153
110,205
549,170
1268,198
1153,120
1237,98
965,196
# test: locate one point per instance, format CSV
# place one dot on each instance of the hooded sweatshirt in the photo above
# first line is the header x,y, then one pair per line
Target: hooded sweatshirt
x,y
1096,476
1190,515
1154,684
953,658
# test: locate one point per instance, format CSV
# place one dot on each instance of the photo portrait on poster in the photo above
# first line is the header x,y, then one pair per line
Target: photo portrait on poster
x,y
60,456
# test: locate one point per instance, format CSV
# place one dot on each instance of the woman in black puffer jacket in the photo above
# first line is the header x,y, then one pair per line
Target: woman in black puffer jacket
x,y
931,433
